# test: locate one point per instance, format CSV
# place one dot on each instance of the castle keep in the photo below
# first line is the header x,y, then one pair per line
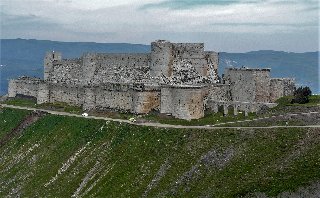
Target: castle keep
x,y
180,79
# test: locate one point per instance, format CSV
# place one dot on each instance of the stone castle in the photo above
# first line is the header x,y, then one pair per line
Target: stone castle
x,y
180,79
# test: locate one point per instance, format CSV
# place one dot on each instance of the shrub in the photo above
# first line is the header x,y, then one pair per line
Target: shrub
x,y
301,95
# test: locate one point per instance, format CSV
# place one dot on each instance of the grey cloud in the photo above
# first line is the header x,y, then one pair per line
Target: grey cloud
x,y
26,22
278,26
267,24
188,4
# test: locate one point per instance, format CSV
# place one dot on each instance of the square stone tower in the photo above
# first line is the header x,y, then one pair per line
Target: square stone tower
x,y
48,63
249,84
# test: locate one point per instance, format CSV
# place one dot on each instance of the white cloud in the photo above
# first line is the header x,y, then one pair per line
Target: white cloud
x,y
126,19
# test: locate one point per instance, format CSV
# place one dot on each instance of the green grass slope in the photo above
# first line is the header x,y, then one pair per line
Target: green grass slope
x,y
65,156
9,119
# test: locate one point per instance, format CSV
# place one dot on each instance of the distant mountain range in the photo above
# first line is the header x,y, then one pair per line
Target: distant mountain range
x,y
25,57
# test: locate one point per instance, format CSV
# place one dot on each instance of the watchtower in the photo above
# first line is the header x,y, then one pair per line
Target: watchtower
x,y
48,62
161,58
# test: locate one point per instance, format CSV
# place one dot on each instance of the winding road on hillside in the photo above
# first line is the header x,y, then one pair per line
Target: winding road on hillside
x,y
154,124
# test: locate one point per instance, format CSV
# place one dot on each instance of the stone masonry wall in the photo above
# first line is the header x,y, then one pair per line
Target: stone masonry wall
x,y
166,105
124,97
183,102
213,62
193,54
24,86
242,84
161,59
144,102
12,90
248,85
180,63
89,65
43,93
200,64
73,95
49,60
106,99
89,100
67,71
124,68
177,78
184,62
97,68
280,87
262,79
219,92
289,86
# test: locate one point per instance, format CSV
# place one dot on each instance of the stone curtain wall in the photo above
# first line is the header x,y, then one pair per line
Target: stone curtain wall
x,y
119,68
12,88
183,102
73,95
280,87
24,86
242,84
144,102
249,85
165,60
219,92
43,93
276,88
289,86
255,85
124,97
131,100
119,100
262,79
166,104
94,68
67,71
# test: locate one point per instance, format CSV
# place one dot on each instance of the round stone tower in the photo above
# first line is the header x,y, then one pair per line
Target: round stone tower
x,y
161,58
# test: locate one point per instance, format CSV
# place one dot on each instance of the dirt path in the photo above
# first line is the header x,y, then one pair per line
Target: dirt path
x,y
162,125
30,119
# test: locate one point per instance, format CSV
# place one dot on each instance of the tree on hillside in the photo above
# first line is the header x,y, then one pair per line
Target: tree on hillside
x,y
301,95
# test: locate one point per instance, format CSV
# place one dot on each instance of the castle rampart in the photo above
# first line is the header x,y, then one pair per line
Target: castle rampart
x,y
24,86
184,102
66,71
248,85
180,79
280,87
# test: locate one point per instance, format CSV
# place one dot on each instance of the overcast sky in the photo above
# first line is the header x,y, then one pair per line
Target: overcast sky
x,y
223,25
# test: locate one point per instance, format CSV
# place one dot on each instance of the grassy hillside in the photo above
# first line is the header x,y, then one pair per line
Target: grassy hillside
x,y
10,118
64,156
